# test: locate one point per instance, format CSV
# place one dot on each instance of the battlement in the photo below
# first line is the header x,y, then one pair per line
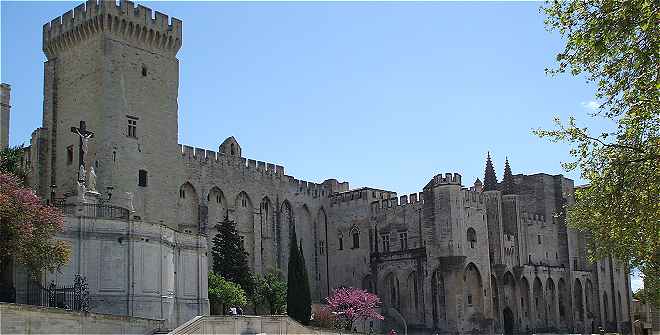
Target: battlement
x,y
394,203
266,169
312,189
473,198
447,179
140,25
215,157
359,196
530,218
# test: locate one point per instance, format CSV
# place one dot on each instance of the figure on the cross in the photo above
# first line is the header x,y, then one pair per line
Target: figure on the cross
x,y
84,135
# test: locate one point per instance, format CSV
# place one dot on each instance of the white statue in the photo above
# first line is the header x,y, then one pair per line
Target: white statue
x,y
129,196
81,174
91,181
81,191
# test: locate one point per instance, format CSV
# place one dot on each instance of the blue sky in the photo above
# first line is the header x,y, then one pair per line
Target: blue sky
x,y
379,94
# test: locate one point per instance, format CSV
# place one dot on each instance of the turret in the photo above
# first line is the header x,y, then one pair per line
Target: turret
x,y
490,179
5,92
152,31
508,184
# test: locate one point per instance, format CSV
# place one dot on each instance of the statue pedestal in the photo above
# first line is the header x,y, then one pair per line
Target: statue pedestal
x,y
92,197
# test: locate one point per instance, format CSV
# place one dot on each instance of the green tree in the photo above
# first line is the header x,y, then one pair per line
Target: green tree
x,y
615,44
306,303
224,294
229,257
296,299
270,290
11,162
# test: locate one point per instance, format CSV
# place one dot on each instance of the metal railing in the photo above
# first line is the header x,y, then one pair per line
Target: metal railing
x,y
74,297
94,210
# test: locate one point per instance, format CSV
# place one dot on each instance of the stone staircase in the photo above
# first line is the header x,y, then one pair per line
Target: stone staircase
x,y
244,324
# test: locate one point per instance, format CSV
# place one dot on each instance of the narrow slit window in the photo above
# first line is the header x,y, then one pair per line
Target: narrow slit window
x,y
142,178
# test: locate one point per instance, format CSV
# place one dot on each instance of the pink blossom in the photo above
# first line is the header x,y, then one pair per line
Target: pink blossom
x,y
354,304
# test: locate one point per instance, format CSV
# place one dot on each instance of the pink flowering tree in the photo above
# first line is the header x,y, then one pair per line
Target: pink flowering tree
x,y
27,228
350,304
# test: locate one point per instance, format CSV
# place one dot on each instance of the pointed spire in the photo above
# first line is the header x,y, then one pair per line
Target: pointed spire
x,y
490,179
508,185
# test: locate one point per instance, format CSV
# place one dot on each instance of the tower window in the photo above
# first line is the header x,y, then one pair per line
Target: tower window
x,y
386,242
69,155
341,241
142,178
132,126
472,237
540,240
356,239
469,300
321,247
144,71
403,240
182,193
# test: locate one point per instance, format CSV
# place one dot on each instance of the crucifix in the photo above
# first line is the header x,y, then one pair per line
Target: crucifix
x,y
84,135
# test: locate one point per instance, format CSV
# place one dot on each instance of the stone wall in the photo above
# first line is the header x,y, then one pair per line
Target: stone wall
x,y
25,319
134,268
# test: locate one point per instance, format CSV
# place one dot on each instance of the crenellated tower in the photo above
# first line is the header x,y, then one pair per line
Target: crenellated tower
x,y
115,68
5,107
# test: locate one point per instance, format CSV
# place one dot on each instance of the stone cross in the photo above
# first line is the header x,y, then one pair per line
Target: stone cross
x,y
84,135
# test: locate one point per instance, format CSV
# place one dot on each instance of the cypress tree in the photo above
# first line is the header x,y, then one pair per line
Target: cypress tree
x,y
306,303
508,185
294,280
490,179
229,257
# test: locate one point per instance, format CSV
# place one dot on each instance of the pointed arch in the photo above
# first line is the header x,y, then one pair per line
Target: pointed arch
x,y
392,290
524,296
589,298
562,300
438,299
244,217
495,293
473,290
577,300
324,258
268,232
551,301
188,208
509,298
217,206
412,295
539,302
287,225
606,309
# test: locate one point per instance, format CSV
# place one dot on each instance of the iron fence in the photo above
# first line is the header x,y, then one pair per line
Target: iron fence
x,y
74,297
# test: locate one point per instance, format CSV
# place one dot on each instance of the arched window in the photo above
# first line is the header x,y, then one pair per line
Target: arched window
x,y
471,237
340,236
355,233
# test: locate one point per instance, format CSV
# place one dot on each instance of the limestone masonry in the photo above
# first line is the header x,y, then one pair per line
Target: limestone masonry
x,y
493,257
